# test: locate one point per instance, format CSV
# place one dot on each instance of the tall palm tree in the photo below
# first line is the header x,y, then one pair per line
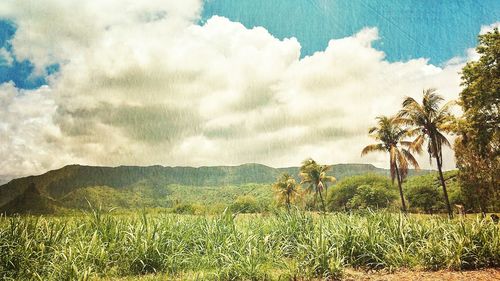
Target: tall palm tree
x,y
316,178
428,121
390,136
286,189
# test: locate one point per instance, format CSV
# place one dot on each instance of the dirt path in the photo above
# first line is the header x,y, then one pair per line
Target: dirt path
x,y
491,274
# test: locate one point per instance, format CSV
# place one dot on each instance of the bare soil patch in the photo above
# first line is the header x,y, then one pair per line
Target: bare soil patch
x,y
490,274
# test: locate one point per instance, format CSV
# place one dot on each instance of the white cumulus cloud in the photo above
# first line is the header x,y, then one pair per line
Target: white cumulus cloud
x,y
6,58
143,83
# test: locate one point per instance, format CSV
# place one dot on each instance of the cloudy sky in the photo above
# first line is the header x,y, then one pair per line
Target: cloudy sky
x,y
123,82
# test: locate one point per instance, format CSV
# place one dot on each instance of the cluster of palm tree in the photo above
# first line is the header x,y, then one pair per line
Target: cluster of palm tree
x,y
287,190
402,136
313,176
424,122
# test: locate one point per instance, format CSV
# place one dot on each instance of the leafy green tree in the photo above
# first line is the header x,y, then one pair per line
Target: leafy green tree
x,y
286,190
390,136
368,196
424,192
315,177
477,149
428,121
363,191
424,198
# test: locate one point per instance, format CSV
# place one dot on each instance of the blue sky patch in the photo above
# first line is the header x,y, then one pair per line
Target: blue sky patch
x,y
20,72
438,30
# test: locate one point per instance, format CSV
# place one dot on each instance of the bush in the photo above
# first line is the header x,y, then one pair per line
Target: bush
x,y
183,208
425,194
424,198
368,196
245,204
359,192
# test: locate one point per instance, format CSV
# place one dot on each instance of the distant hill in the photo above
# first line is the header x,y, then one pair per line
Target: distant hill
x,y
71,185
31,201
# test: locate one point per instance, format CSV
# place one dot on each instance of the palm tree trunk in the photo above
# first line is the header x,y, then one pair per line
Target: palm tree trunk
x,y
403,204
322,201
288,202
314,200
443,184
439,163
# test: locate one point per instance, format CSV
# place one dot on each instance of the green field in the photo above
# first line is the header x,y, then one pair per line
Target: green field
x,y
269,246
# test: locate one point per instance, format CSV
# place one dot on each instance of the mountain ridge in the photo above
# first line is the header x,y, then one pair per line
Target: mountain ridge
x,y
58,183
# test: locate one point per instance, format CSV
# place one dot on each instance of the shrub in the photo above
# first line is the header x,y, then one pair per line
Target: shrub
x,y
374,197
245,204
425,194
183,208
424,198
365,191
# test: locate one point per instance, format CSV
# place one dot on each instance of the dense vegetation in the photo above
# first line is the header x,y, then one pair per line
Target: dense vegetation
x,y
225,247
156,186
425,195
361,192
369,191
425,123
477,149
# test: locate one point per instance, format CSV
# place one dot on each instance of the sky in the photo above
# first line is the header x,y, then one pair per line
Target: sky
x,y
220,82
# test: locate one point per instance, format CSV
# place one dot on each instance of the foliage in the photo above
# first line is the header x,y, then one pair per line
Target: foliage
x,y
371,197
428,121
358,192
424,198
189,209
246,204
479,177
286,190
144,195
424,193
480,98
157,186
294,245
390,136
316,179
477,149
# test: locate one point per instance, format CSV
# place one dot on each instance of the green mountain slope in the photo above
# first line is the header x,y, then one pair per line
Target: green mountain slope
x,y
31,201
132,186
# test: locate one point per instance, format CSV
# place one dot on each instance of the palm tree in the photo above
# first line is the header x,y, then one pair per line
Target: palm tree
x,y
390,136
316,178
286,189
428,121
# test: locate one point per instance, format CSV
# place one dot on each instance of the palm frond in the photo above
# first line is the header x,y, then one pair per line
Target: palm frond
x,y
441,139
372,148
418,143
329,179
407,154
402,164
393,162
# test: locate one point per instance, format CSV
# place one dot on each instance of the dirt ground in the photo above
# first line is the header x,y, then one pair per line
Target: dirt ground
x,y
491,274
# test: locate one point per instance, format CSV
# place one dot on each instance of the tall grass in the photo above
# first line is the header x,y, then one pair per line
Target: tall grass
x,y
249,247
